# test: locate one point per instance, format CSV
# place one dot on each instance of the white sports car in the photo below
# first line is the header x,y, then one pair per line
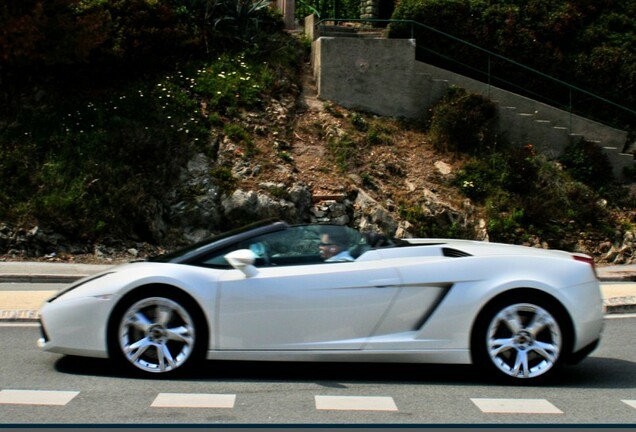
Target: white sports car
x,y
272,291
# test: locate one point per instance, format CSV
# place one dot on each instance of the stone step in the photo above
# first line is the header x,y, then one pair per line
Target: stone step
x,y
353,32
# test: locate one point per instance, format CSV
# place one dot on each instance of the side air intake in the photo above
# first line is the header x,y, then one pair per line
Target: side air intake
x,y
454,253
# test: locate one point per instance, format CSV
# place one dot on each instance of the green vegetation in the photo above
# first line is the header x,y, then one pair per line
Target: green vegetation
x,y
124,93
460,122
343,150
588,43
523,193
345,9
348,149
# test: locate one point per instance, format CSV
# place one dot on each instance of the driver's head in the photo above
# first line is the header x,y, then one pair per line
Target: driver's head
x,y
331,244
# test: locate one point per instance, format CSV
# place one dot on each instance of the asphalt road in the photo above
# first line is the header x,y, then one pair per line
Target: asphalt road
x,y
43,388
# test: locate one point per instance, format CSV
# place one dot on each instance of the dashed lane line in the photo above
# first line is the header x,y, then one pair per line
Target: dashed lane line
x,y
193,400
631,403
36,397
355,403
323,402
516,406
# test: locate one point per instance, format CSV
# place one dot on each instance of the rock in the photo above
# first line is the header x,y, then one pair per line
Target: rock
x,y
482,231
300,195
372,216
404,230
251,205
443,168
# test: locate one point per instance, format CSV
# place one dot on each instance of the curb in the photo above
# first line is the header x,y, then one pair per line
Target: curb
x,y
40,278
626,277
620,305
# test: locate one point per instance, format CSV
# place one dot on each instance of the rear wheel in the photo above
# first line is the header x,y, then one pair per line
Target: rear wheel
x,y
520,341
157,334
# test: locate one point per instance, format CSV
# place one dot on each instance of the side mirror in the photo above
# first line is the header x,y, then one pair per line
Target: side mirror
x,y
243,260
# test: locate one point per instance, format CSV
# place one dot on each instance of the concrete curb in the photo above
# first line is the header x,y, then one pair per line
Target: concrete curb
x,y
40,278
620,305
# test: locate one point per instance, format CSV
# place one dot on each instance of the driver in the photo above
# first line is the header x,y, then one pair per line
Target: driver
x,y
333,247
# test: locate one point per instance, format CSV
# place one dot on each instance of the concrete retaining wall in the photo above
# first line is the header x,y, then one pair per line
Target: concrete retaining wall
x,y
375,75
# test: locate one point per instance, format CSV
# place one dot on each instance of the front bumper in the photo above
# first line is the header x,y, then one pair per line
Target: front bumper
x,y
76,326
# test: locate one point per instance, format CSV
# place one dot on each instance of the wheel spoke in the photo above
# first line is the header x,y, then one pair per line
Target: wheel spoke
x,y
164,314
139,321
166,356
546,350
497,346
539,321
180,334
139,348
521,365
513,321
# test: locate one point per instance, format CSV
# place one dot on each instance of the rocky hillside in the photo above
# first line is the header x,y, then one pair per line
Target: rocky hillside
x,y
303,159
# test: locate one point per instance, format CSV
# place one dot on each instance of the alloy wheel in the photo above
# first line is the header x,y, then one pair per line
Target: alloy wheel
x,y
524,340
157,334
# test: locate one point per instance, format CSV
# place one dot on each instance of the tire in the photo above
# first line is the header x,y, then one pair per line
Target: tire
x,y
157,334
520,340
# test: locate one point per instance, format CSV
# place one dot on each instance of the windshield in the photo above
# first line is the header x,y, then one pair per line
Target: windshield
x,y
191,249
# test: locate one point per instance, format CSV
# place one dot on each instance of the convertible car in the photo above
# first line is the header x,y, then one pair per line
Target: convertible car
x,y
274,292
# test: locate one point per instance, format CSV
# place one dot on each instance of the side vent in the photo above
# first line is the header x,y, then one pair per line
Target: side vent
x,y
454,253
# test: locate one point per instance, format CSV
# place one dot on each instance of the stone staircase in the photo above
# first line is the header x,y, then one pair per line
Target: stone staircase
x,y
522,121
381,76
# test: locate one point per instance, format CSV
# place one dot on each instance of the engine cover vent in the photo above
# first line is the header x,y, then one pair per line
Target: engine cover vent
x,y
454,253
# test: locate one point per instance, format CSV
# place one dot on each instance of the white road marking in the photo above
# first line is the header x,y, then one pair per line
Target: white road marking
x,y
36,397
194,400
631,403
355,403
516,406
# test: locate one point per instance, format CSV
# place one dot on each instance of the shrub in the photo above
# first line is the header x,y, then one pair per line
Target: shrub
x,y
460,122
359,122
587,163
526,194
378,134
225,179
476,179
425,225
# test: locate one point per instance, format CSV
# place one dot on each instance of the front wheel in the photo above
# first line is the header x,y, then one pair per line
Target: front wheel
x,y
157,334
520,341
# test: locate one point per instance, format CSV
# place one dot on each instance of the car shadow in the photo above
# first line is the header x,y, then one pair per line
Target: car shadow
x,y
594,372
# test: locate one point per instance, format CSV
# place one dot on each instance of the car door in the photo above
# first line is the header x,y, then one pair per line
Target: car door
x,y
327,306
